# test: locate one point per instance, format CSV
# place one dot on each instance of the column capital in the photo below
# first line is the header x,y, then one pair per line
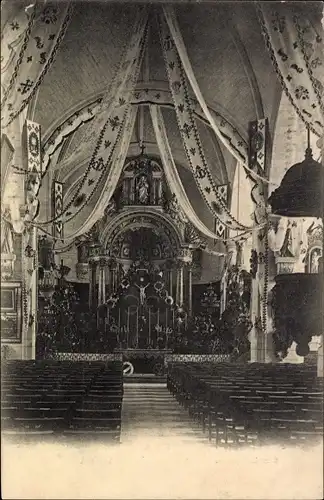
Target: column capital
x,y
184,255
103,261
112,264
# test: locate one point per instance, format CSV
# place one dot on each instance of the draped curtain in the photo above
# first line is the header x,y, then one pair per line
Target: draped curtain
x,y
296,46
31,38
109,126
172,174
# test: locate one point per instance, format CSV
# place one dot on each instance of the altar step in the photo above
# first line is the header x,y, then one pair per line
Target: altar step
x,y
150,411
144,378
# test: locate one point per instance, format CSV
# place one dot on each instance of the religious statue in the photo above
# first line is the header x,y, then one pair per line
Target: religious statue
x,y
314,264
287,247
6,233
142,289
143,190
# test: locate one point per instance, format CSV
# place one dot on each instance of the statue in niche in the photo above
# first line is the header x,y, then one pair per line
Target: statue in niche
x,y
287,247
143,190
314,260
7,246
83,253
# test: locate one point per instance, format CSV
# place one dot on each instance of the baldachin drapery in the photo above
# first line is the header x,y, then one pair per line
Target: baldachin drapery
x,y
30,41
172,174
111,132
296,47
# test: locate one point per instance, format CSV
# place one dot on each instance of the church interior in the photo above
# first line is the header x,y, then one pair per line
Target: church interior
x,y
162,221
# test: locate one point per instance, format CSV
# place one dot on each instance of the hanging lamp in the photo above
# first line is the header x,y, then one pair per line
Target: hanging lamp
x,y
300,192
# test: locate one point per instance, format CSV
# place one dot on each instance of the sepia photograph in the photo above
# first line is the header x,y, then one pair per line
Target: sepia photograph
x,y
162,241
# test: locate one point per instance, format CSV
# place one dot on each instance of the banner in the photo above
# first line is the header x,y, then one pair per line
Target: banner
x,y
57,209
32,144
258,130
220,228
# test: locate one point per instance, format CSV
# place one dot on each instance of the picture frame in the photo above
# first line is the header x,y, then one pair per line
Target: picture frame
x,y
11,312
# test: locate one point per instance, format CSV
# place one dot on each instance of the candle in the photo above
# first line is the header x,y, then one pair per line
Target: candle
x,y
149,312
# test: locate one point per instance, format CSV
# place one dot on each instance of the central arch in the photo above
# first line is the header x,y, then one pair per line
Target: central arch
x,y
137,218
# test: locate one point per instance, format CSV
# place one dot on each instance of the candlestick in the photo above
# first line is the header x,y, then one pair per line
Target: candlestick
x,y
137,333
127,333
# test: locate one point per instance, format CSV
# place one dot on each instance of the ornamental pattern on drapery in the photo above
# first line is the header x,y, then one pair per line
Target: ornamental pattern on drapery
x,y
141,96
189,132
110,135
119,88
28,57
296,48
172,174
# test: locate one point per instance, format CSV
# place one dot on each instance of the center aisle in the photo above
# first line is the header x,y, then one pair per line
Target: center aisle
x,y
149,410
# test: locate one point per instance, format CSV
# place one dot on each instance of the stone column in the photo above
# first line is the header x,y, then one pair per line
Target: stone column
x,y
92,283
190,290
256,335
171,282
102,281
113,275
181,285
178,284
320,359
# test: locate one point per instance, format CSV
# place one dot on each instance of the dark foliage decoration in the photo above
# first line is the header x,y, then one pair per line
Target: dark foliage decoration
x,y
65,324
208,334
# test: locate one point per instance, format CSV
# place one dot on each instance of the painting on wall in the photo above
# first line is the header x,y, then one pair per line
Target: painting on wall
x,y
11,312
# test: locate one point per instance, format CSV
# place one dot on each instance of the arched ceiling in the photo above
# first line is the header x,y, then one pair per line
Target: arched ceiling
x,y
227,53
